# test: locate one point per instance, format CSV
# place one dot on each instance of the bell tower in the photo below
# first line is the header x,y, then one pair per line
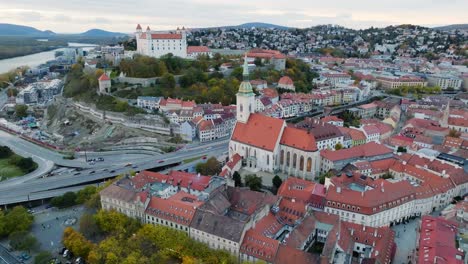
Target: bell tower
x,y
245,96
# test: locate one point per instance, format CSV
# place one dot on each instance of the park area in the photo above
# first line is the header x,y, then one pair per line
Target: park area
x,y
13,165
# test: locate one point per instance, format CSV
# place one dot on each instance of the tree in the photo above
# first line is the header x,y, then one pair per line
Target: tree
x,y
26,164
338,146
253,182
5,152
22,240
322,177
401,149
237,73
168,81
21,110
211,167
43,257
76,242
237,179
66,200
277,181
18,219
85,194
454,133
88,226
258,62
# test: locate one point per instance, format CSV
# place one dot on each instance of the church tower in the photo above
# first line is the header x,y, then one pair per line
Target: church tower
x,y
445,115
245,96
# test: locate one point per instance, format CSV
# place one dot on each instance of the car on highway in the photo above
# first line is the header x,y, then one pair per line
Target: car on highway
x,y
134,166
92,172
100,159
112,171
204,158
128,165
91,160
77,173
31,211
91,163
161,161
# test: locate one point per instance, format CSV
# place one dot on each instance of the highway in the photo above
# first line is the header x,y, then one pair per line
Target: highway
x,y
29,188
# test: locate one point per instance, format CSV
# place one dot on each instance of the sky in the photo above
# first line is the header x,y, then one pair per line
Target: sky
x,y
72,16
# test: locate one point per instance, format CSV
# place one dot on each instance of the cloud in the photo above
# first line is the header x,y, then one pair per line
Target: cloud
x,y
123,15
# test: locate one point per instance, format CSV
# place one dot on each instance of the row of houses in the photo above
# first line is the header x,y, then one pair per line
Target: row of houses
x,y
252,226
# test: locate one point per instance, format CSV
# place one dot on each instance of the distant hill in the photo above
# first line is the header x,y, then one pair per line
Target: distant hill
x,y
260,25
453,27
253,24
101,33
18,30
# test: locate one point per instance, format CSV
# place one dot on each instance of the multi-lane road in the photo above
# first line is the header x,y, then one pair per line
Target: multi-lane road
x,y
34,186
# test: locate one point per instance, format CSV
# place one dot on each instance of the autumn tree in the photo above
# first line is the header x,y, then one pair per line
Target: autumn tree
x,y
210,167
76,242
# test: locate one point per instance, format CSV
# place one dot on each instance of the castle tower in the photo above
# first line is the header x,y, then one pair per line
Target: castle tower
x,y
104,84
245,96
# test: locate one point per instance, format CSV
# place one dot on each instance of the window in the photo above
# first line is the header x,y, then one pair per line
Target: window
x,y
282,157
309,164
301,163
287,158
294,160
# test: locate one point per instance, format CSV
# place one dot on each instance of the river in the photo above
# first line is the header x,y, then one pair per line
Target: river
x,y
36,59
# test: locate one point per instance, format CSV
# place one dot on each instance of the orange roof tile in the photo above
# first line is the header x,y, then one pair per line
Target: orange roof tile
x,y
299,139
260,131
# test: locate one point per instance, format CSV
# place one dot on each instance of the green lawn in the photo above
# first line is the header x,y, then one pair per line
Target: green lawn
x,y
9,171
192,159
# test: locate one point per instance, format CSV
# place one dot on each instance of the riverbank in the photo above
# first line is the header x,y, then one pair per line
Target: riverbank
x,y
11,47
38,58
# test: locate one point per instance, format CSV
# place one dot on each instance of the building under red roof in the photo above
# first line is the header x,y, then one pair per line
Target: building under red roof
x,y
370,149
437,242
179,208
303,191
260,131
104,77
285,80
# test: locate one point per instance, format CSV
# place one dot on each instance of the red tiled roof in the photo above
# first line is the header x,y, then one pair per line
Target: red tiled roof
x,y
462,122
175,178
381,197
437,241
331,118
164,36
260,131
179,208
285,80
370,149
269,92
356,135
299,139
104,77
288,255
197,49
236,158
302,190
259,246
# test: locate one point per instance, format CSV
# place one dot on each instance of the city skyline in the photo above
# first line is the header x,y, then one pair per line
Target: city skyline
x,y
121,16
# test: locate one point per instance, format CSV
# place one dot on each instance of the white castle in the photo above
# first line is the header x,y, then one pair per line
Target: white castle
x,y
157,44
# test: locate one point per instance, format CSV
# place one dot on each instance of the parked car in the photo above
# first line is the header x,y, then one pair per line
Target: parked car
x,y
66,253
100,159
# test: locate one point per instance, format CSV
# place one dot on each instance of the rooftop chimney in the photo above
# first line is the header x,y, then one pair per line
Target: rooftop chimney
x,y
375,232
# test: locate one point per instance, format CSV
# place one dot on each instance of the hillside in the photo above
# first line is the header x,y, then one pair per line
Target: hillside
x,y
453,27
101,33
19,30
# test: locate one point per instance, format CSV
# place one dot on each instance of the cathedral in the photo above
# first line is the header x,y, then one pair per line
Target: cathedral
x,y
269,144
